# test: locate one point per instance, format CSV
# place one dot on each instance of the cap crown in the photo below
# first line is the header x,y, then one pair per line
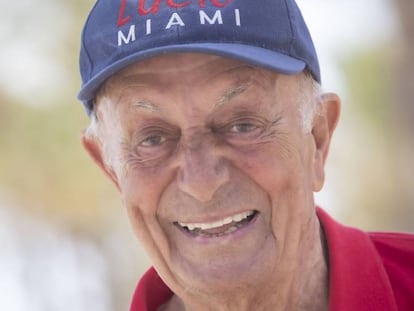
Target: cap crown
x,y
266,33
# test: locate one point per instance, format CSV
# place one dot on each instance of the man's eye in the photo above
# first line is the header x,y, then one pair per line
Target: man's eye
x,y
153,141
243,127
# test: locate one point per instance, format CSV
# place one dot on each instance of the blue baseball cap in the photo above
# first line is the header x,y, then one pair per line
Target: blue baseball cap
x,y
270,34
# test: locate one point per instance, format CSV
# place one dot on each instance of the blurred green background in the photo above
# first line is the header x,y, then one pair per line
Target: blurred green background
x,y
65,242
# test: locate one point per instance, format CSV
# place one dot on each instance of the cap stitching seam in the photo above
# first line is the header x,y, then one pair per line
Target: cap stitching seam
x,y
291,44
178,29
290,17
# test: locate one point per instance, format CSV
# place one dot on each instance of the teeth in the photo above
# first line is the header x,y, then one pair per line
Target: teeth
x,y
217,224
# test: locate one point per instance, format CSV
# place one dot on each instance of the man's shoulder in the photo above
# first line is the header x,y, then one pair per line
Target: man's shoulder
x,y
397,253
394,240
369,270
395,247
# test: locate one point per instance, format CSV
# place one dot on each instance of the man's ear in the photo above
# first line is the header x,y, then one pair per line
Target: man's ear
x,y
323,127
94,148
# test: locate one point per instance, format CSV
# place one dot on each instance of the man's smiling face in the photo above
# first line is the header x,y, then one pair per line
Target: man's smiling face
x,y
214,167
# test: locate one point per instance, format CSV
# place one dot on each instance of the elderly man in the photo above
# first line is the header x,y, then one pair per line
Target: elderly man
x,y
208,117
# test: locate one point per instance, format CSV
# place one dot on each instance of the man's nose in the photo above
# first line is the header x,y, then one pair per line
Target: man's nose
x,y
202,172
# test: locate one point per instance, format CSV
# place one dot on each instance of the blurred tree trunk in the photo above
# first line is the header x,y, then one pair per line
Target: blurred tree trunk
x,y
403,105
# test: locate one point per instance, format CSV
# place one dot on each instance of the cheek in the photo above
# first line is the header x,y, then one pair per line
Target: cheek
x,y
270,169
142,189
140,205
141,194
285,179
285,182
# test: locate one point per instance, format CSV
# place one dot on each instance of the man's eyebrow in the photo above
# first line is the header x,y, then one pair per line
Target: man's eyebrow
x,y
146,105
231,93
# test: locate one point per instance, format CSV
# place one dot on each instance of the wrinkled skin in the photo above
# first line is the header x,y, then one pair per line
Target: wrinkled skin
x,y
197,138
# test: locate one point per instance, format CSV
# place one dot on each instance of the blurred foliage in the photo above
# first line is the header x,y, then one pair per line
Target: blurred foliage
x,y
46,173
368,76
42,162
376,200
43,165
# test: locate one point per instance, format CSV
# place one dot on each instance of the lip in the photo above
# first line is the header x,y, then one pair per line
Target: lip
x,y
236,230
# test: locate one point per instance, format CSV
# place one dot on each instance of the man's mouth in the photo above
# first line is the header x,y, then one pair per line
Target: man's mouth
x,y
218,228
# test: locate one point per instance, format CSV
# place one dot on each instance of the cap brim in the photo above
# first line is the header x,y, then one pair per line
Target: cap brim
x,y
250,54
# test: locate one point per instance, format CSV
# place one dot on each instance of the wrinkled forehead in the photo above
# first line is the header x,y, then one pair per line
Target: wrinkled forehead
x,y
163,72
153,89
211,80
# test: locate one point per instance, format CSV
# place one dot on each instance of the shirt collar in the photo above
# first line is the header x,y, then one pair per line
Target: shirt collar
x,y
357,277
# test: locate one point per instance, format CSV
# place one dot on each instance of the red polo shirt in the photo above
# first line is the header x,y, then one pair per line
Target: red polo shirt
x,y
368,272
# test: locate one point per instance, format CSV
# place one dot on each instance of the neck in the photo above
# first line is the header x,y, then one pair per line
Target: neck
x,y
299,286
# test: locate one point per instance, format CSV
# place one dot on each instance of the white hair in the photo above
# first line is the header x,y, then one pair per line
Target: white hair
x,y
95,131
309,101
